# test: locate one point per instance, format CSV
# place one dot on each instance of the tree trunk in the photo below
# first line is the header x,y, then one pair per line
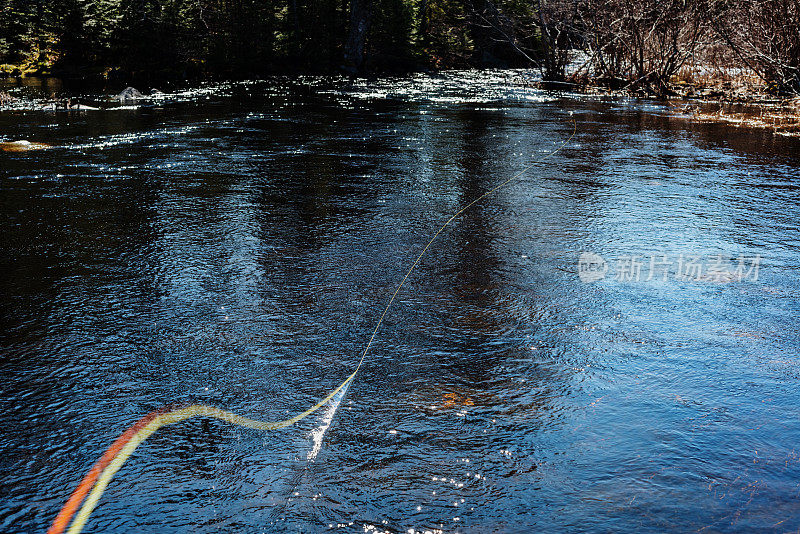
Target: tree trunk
x,y
295,35
422,30
360,18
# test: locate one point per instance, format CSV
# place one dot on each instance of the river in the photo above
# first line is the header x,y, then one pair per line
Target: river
x,y
608,343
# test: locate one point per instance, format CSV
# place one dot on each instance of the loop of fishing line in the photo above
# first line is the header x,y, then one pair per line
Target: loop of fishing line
x,y
93,485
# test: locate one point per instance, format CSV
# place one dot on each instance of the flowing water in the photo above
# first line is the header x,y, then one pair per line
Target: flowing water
x,y
235,246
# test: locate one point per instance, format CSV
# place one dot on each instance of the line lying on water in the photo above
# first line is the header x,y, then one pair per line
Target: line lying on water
x,y
98,478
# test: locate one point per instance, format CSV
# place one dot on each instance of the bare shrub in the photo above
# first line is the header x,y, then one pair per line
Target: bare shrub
x,y
645,43
765,35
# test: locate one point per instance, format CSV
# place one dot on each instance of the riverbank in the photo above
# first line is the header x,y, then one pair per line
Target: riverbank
x,y
742,101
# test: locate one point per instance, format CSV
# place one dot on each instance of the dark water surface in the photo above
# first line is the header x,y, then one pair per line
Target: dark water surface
x,y
236,249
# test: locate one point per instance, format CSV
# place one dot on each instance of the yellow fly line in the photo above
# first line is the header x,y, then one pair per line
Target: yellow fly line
x,y
97,479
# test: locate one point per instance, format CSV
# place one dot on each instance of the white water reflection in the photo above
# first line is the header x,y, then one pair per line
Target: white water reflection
x,y
318,434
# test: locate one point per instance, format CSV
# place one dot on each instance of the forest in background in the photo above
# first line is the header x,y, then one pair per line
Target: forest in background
x,y
643,45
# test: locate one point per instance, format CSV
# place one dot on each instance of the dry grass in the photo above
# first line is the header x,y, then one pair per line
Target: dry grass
x,y
781,119
736,97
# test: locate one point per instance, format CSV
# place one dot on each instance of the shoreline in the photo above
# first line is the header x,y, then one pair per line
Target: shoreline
x,y
740,103
734,103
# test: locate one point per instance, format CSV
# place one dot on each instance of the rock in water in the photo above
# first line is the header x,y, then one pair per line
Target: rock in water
x,y
129,94
6,98
83,107
21,146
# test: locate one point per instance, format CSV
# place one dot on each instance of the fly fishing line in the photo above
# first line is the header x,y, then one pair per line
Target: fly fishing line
x,y
74,514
